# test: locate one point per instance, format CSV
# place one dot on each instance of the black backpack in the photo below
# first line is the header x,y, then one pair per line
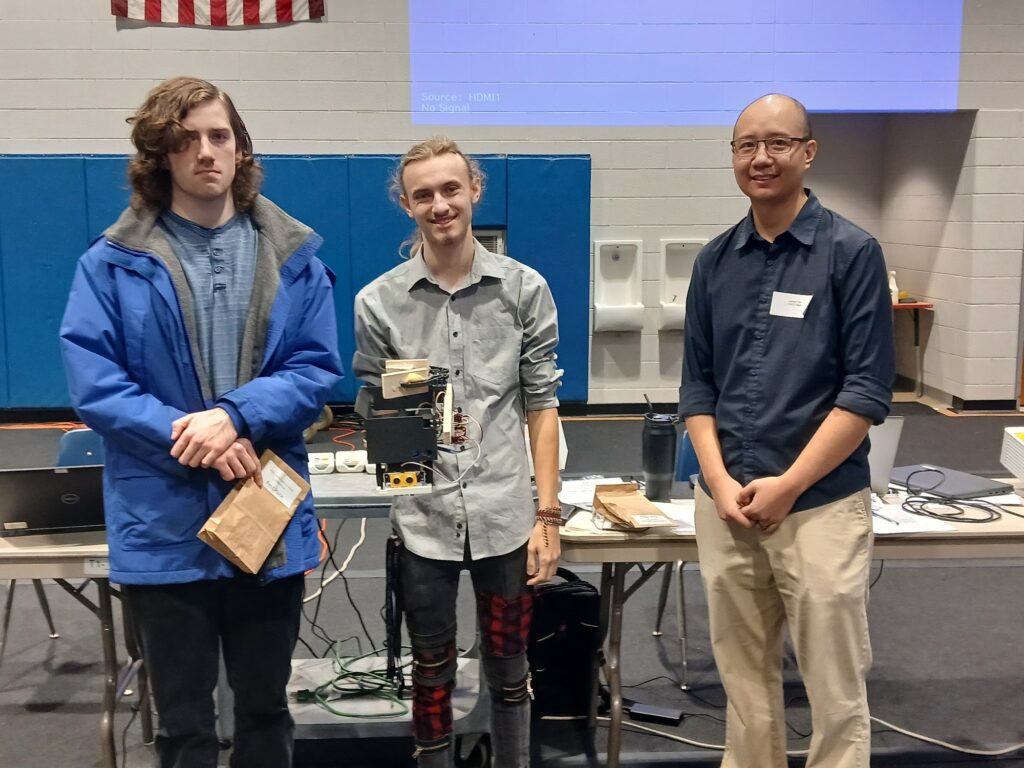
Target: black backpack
x,y
564,638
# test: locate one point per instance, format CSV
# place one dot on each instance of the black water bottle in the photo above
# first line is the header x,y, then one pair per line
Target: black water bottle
x,y
659,454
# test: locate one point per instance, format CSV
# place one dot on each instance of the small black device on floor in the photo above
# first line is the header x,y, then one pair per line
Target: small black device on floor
x,y
653,714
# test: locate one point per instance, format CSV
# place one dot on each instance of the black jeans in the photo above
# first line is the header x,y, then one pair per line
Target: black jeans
x,y
504,609
182,628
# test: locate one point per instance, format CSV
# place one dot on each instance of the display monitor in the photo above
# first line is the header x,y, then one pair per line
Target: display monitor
x,y
676,62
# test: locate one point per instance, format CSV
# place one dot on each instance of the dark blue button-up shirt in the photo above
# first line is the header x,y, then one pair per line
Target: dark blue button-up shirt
x,y
769,379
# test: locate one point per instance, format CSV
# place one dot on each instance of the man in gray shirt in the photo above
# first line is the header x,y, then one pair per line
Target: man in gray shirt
x,y
491,322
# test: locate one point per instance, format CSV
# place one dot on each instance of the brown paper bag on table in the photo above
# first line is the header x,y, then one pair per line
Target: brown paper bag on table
x,y
624,505
250,520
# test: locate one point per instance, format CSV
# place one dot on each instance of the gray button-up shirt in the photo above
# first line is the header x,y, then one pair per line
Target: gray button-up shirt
x,y
219,265
496,334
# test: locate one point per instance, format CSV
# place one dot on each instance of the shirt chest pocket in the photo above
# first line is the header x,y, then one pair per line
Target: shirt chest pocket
x,y
496,351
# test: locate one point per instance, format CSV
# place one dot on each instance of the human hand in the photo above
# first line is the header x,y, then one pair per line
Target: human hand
x,y
201,437
238,462
767,501
542,553
726,497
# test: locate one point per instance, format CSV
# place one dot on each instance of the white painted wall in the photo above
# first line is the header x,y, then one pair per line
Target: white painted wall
x,y
70,74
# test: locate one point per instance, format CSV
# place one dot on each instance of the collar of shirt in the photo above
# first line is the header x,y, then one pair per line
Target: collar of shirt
x,y
186,229
803,228
484,265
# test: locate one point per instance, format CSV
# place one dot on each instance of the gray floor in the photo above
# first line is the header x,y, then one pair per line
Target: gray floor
x,y
946,638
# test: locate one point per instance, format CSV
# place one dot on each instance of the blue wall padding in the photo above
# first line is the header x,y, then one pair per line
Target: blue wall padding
x,y
53,206
314,190
43,231
107,192
548,233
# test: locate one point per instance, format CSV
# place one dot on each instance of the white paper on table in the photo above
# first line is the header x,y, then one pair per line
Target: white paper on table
x,y
892,518
580,493
680,510
586,521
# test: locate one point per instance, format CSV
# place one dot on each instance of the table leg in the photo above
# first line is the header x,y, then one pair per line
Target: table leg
x,y
614,668
666,582
7,616
105,613
684,682
918,356
605,593
44,604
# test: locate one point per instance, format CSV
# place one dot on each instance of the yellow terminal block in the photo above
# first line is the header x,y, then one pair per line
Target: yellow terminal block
x,y
403,479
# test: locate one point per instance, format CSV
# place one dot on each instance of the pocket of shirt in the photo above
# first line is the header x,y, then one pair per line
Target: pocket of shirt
x,y
496,351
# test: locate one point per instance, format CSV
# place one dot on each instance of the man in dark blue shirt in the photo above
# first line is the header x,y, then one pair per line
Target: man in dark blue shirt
x,y
788,361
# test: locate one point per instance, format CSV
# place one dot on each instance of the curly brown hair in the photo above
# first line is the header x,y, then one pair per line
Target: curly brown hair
x,y
157,131
435,146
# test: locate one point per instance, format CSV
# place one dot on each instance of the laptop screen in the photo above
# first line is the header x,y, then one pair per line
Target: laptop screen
x,y
51,500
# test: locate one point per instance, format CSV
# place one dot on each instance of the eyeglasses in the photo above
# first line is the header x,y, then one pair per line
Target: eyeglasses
x,y
774,145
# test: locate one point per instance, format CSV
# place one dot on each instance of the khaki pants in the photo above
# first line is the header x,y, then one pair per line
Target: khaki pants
x,y
812,575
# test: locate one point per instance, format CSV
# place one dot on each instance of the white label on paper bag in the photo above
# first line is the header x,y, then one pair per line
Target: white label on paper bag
x,y
282,487
789,304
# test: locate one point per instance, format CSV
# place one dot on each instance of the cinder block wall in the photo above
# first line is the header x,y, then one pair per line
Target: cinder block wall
x,y
945,194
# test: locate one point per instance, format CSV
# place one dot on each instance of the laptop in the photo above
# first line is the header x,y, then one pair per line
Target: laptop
x,y
947,483
885,439
51,500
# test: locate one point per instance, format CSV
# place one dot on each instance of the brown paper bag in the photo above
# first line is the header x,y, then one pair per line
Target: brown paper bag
x,y
250,520
623,504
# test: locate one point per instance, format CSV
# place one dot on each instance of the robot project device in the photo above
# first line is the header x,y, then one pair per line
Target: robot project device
x,y
409,418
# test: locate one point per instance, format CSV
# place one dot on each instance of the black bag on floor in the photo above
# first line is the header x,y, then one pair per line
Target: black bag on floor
x,y
564,638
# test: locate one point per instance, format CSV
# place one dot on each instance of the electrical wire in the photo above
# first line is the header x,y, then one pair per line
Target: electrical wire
x,y
344,565
921,501
340,571
319,632
671,736
881,569
348,684
65,426
124,735
878,720
802,752
946,744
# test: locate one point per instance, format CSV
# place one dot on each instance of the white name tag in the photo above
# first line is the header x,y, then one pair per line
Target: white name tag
x,y
789,304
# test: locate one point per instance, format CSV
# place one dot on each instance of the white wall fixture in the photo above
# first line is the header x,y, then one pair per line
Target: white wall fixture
x,y
677,259
618,305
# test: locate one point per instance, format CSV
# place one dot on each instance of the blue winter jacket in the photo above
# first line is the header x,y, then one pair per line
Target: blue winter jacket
x,y
133,368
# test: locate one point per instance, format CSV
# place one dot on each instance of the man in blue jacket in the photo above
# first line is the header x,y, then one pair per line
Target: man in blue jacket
x,y
199,332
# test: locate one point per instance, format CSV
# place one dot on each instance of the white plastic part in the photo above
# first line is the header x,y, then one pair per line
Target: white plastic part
x,y
618,304
321,463
677,258
350,461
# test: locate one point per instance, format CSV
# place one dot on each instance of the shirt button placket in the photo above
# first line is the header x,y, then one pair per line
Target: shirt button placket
x,y
456,365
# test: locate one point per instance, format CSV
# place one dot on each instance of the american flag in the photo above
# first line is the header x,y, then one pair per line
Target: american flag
x,y
219,13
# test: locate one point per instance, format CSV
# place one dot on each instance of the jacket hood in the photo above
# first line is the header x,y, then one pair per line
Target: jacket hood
x,y
137,230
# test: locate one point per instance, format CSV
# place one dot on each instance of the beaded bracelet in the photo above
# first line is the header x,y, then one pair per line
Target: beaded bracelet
x,y
549,516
